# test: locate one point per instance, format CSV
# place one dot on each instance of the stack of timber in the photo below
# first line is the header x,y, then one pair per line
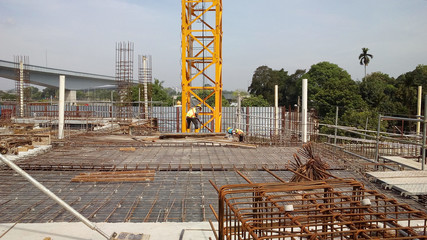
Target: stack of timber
x,y
11,144
122,176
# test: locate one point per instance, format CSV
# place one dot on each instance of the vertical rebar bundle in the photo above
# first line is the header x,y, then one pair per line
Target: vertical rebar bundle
x,y
145,79
124,79
22,83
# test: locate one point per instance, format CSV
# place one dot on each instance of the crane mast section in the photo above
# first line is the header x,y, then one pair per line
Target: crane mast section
x,y
201,78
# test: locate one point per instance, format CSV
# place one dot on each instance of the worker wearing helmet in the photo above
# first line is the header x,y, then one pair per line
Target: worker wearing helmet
x,y
192,117
236,132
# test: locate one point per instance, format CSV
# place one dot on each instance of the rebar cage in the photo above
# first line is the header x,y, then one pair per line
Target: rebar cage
x,y
327,209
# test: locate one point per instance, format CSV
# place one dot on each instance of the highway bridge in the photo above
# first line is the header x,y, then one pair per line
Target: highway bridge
x,y
49,77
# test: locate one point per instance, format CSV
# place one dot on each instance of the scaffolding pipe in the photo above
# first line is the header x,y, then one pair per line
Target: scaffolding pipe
x,y
377,159
401,118
54,197
336,125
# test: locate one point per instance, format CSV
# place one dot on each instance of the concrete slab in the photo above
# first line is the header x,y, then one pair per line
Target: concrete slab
x,y
412,189
407,163
79,231
398,174
407,182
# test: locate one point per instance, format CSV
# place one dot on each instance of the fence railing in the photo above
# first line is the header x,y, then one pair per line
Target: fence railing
x,y
257,122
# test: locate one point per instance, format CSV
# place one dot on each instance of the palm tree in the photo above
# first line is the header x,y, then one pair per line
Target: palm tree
x,y
364,58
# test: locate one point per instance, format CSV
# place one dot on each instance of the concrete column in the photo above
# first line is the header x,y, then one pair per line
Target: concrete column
x,y
304,110
239,111
144,66
61,109
424,135
276,108
21,89
420,90
71,97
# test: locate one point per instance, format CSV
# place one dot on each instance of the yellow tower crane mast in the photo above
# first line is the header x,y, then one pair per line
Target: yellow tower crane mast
x,y
202,61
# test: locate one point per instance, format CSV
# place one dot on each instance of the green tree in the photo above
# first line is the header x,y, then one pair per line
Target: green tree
x,y
330,86
48,92
378,90
7,95
291,89
407,85
255,101
155,92
158,93
365,58
263,81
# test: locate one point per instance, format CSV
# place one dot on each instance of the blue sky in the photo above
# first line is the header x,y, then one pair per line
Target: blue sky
x,y
81,35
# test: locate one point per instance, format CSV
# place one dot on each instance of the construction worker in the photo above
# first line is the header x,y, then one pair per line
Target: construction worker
x,y
192,116
236,132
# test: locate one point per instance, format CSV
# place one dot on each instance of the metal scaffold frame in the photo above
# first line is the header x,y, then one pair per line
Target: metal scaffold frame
x,y
202,60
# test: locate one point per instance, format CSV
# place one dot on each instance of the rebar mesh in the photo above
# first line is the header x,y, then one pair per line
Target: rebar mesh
x,y
329,209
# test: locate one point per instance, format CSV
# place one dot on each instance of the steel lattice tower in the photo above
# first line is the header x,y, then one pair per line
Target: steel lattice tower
x,y
202,60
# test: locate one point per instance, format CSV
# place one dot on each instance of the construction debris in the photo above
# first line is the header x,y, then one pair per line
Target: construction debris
x,y
123,176
140,127
11,144
313,169
131,236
